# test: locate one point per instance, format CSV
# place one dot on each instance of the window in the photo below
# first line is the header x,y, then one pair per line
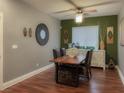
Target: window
x,y
86,36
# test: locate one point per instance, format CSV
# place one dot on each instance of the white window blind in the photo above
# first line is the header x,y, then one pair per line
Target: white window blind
x,y
86,36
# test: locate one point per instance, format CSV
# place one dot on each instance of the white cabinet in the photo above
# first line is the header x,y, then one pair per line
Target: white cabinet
x,y
98,58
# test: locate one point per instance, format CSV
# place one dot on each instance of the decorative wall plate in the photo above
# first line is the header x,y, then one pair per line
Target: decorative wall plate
x,y
42,34
25,31
30,32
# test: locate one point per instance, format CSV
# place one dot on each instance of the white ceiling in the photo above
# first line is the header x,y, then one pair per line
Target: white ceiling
x,y
51,6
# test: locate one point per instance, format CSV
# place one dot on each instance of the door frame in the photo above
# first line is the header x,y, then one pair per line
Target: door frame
x,y
1,50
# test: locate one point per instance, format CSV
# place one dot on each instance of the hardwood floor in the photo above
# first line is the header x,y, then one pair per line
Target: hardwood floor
x,y
101,82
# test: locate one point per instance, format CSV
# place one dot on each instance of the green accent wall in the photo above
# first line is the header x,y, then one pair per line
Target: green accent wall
x,y
103,22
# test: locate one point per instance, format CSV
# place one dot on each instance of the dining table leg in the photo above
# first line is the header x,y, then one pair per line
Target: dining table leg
x,y
56,72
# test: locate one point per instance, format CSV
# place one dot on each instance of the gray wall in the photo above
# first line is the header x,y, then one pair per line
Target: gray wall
x,y
23,60
120,48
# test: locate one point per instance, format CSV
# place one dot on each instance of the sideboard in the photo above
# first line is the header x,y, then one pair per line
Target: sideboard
x,y
98,58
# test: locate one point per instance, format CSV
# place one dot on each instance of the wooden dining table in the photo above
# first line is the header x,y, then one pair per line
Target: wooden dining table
x,y
72,66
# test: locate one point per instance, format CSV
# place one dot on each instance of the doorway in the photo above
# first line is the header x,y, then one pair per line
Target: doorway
x,y
1,50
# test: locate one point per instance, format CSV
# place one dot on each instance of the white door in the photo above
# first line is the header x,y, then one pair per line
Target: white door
x,y
1,50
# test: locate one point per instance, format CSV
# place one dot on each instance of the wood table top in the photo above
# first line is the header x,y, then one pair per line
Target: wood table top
x,y
66,60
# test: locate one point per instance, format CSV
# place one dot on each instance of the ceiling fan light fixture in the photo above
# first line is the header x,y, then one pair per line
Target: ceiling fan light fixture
x,y
79,18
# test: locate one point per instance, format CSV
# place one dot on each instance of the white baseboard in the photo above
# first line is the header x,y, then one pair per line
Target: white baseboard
x,y
120,74
21,78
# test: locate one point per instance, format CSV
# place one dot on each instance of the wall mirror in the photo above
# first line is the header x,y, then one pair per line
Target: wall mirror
x,y
42,34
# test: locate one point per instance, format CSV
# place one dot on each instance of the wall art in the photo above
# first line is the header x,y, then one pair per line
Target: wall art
x,y
121,30
110,35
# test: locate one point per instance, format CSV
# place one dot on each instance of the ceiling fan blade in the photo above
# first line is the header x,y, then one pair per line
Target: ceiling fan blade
x,y
65,11
85,14
99,4
72,3
93,10
74,14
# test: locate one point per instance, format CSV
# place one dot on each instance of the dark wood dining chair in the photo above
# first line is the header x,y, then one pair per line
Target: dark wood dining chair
x,y
62,51
56,53
86,65
65,73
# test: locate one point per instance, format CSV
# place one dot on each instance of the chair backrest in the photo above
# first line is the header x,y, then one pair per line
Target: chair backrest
x,y
56,53
88,57
62,51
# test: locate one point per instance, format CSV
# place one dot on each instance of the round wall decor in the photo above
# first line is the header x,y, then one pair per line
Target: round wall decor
x,y
42,34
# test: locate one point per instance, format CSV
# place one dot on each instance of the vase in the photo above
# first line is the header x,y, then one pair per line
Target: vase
x,y
102,45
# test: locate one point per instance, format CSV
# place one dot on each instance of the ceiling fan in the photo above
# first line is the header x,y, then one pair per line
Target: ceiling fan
x,y
81,11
